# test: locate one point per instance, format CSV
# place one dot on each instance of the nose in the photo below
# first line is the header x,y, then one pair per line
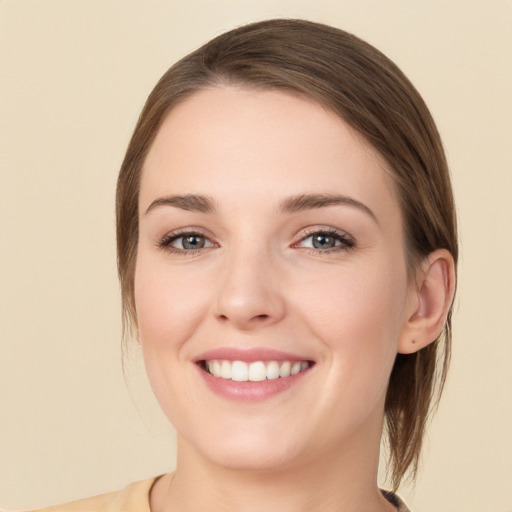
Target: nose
x,y
249,294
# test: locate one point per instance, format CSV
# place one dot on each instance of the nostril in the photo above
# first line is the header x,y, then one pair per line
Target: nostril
x,y
247,322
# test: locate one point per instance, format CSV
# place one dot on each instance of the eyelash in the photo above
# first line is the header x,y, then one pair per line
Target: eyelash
x,y
166,242
346,242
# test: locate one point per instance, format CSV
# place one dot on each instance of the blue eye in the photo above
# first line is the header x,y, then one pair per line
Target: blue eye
x,y
327,241
189,242
321,241
185,242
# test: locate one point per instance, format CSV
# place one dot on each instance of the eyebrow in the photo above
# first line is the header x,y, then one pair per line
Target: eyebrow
x,y
190,202
313,201
302,202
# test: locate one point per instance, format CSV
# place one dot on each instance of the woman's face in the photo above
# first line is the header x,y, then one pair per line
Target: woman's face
x,y
270,243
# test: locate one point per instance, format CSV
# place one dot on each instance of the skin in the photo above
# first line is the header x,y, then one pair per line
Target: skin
x,y
259,282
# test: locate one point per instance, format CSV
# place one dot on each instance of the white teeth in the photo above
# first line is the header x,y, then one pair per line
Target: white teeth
x,y
256,371
225,370
295,368
273,370
239,371
284,369
213,368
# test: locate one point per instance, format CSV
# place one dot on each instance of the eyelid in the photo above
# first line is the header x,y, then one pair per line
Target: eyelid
x,y
347,241
165,242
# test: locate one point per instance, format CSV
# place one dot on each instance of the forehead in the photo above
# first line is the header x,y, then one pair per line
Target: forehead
x,y
262,144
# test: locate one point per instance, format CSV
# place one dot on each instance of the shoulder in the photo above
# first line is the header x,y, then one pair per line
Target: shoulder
x,y
395,500
133,498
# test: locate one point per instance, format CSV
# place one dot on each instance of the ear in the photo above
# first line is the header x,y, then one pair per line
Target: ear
x,y
430,300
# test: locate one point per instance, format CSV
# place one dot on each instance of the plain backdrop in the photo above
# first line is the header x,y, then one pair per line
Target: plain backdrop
x,y
73,78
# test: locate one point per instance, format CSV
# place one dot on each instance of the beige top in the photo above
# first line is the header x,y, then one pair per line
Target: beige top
x,y
135,498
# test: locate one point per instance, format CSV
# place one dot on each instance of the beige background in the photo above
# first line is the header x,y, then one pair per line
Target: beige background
x,y
73,77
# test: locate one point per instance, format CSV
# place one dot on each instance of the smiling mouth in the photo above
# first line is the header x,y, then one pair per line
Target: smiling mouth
x,y
256,371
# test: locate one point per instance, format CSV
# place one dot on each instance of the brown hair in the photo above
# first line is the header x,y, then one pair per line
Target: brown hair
x,y
361,85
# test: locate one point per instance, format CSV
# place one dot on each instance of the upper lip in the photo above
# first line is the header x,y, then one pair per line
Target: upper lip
x,y
248,355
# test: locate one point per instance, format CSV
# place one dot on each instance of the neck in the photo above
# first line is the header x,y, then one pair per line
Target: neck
x,y
333,481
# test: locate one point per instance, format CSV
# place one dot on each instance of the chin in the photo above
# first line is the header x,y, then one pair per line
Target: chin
x,y
262,452
252,461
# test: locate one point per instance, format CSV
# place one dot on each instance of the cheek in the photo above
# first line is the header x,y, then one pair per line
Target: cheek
x,y
358,299
168,305
358,315
167,316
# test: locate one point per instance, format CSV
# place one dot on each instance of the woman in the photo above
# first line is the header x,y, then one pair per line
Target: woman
x,y
287,253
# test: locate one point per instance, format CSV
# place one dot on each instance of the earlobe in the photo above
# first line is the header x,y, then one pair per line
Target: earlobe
x,y
435,288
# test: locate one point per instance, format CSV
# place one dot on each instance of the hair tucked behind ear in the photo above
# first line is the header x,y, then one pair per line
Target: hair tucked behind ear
x,y
368,91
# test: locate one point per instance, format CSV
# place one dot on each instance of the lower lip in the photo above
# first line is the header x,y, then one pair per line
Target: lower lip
x,y
250,391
